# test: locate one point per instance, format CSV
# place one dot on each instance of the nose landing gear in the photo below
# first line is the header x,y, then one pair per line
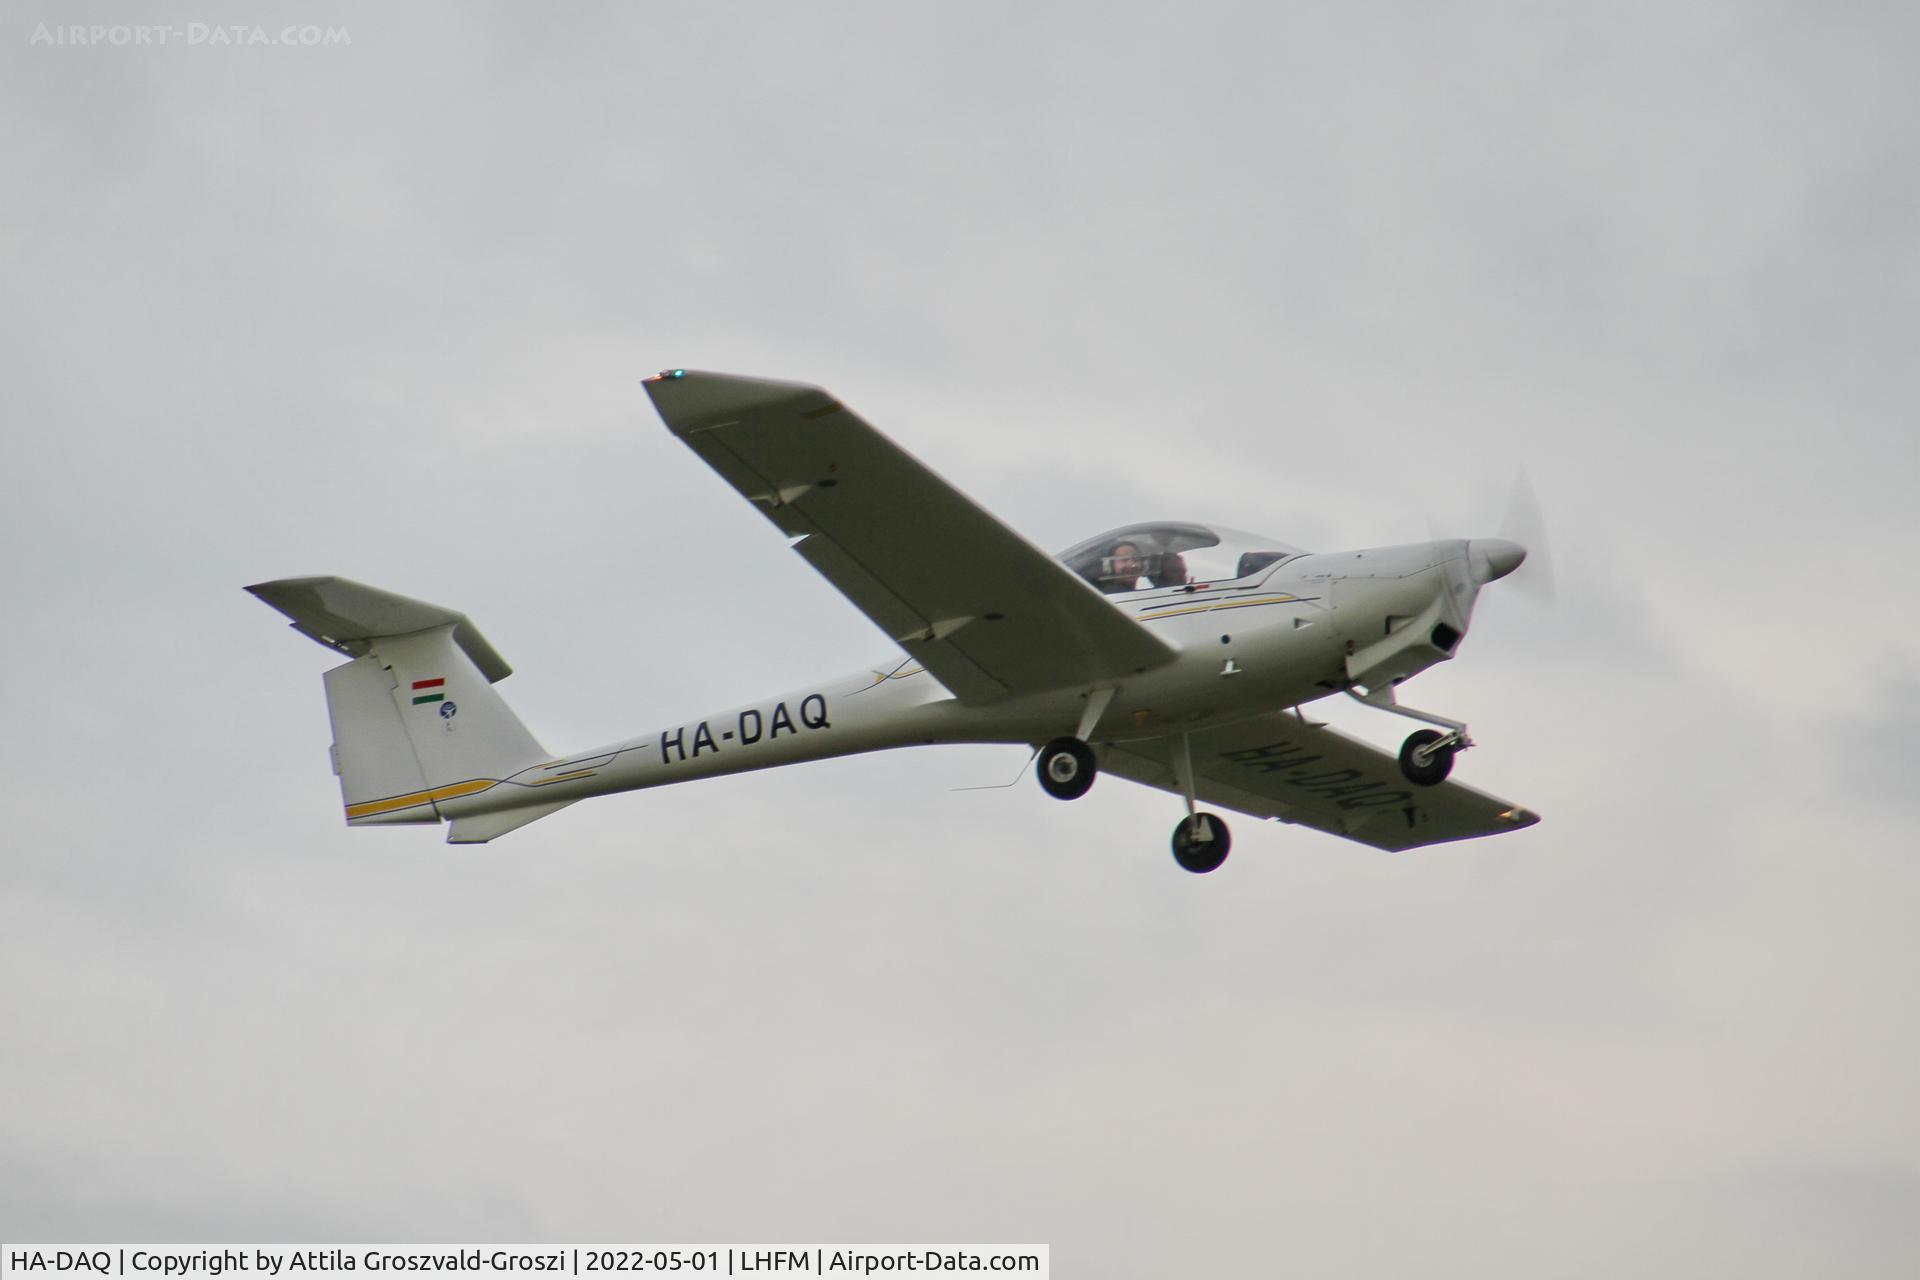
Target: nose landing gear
x,y
1426,757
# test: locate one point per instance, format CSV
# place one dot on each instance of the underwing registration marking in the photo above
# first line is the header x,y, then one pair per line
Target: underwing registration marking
x,y
1294,765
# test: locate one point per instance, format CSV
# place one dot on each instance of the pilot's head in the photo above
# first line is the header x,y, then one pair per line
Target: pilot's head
x,y
1171,571
1126,561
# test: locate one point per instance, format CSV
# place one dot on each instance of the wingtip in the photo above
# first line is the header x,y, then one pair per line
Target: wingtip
x,y
689,399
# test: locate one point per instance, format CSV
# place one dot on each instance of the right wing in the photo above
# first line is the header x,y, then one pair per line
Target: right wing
x,y
984,610
1280,766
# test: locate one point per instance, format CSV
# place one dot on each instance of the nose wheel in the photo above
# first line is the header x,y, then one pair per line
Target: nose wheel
x,y
1066,768
1200,843
1426,757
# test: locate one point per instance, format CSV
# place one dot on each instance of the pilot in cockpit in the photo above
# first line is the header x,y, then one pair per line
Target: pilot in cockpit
x,y
1121,569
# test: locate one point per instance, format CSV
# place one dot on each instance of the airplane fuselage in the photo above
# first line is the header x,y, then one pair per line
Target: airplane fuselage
x,y
1183,685
1309,626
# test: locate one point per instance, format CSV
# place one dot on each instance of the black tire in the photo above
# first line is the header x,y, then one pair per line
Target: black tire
x,y
1204,849
1066,768
1439,764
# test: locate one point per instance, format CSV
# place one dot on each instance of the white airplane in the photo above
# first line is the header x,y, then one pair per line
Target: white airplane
x,y
1177,655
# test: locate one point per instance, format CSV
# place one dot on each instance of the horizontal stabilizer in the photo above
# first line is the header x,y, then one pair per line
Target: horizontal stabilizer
x,y
347,615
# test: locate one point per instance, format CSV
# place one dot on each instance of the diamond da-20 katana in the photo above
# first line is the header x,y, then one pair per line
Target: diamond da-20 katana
x,y
1175,654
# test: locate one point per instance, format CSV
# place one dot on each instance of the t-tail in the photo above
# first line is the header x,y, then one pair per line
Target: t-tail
x,y
416,719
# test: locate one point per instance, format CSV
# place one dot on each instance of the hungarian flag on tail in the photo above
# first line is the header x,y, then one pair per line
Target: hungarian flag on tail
x,y
429,690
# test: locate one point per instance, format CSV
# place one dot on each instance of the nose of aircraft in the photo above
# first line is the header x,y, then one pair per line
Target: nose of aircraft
x,y
1492,558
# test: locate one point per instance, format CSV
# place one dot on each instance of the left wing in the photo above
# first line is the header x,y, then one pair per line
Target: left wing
x,y
983,609
1280,766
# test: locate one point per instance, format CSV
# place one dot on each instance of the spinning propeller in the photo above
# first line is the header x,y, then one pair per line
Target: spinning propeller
x,y
1522,541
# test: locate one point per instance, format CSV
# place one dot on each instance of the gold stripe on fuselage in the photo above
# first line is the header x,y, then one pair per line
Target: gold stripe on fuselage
x,y
450,792
1174,611
564,777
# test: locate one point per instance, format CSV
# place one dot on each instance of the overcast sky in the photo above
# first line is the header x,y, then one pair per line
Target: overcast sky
x,y
1333,273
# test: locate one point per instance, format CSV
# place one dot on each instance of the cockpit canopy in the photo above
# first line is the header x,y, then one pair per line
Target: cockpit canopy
x,y
1167,554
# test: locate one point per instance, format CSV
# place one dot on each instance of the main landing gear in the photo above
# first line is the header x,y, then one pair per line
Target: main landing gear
x,y
1426,757
1200,840
1200,843
1066,768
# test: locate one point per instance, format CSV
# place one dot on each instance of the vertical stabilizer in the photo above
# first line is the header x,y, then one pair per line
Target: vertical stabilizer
x,y
416,719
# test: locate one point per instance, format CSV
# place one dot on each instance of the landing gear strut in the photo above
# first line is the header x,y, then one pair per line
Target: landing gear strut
x,y
1426,757
1200,843
1200,840
1067,768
